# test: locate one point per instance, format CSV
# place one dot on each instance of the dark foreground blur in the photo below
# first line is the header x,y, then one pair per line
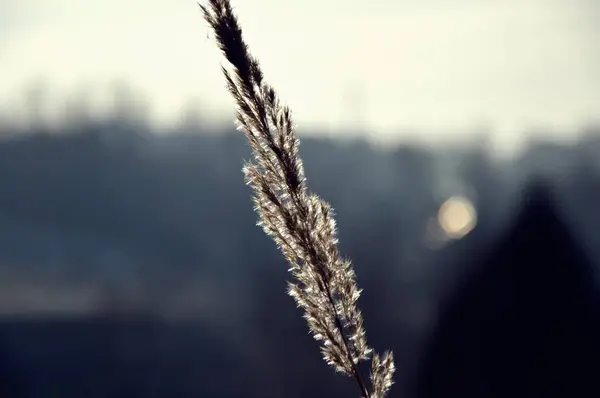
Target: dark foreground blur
x,y
130,266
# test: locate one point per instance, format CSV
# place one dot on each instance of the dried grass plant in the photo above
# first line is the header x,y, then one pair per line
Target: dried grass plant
x,y
300,222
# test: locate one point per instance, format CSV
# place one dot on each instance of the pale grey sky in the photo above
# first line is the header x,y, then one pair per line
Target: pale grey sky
x,y
432,65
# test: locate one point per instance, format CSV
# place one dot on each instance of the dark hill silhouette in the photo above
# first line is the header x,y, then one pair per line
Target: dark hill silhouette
x,y
524,322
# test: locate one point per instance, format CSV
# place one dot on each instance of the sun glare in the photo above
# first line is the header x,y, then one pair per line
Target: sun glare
x,y
457,217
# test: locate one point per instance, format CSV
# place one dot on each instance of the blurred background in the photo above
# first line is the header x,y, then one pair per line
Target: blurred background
x,y
130,264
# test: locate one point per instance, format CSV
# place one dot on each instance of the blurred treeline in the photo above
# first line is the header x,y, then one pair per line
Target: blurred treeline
x,y
130,263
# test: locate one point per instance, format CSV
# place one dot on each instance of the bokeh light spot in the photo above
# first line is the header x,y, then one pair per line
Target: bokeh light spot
x,y
457,217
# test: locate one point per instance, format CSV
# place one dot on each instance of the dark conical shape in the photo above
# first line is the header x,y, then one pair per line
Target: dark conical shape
x,y
524,323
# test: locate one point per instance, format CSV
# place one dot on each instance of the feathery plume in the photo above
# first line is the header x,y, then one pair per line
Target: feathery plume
x,y
301,223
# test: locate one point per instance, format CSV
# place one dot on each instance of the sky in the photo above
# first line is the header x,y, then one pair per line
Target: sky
x,y
403,70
